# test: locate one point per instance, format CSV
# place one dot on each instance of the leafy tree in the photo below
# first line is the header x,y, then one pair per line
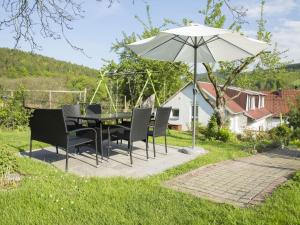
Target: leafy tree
x,y
267,73
214,17
167,77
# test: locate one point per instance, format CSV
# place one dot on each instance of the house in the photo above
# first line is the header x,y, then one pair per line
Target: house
x,y
279,102
245,109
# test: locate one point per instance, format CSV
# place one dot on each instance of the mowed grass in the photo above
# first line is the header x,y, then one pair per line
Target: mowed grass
x,y
49,196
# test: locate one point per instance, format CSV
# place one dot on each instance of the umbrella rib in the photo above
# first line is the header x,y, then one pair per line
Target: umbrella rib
x,y
208,41
236,46
183,41
210,52
157,46
180,49
192,41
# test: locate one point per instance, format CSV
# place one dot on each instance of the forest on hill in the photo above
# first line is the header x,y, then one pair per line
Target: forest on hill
x,y
16,64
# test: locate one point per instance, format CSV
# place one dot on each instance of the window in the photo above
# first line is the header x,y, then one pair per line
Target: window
x,y
250,102
175,113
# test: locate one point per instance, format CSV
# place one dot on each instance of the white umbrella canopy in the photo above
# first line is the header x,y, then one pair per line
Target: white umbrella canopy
x,y
197,44
213,45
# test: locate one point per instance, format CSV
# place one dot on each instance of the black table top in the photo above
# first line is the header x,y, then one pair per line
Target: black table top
x,y
103,116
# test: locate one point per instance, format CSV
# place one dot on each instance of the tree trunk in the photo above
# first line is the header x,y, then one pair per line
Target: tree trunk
x,y
220,111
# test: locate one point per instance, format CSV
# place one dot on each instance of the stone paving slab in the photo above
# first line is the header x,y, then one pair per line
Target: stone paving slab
x,y
84,164
242,182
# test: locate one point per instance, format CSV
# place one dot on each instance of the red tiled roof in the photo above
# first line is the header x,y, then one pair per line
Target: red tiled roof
x,y
278,102
235,105
232,105
258,113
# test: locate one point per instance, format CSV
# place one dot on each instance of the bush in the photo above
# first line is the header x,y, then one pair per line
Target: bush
x,y
8,161
296,134
12,112
212,128
225,135
281,134
200,131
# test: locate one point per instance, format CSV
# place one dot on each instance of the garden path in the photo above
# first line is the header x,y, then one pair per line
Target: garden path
x,y
241,182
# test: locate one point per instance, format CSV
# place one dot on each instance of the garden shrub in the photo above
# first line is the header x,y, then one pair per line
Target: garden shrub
x,y
225,135
281,133
13,115
8,161
212,128
200,131
296,134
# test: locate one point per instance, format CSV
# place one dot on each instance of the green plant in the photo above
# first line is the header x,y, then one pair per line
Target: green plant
x,y
12,112
212,128
8,161
281,134
201,131
296,134
225,135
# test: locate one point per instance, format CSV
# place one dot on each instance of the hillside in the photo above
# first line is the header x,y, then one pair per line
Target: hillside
x,y
16,64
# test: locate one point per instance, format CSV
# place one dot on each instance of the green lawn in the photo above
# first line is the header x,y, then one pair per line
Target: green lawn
x,y
49,196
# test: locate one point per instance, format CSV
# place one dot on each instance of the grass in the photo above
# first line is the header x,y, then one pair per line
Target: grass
x,y
49,196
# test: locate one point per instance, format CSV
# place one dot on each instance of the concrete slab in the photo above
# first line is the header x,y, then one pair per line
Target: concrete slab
x,y
84,164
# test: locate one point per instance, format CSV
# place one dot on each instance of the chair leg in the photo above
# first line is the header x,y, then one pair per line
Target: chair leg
x,y
56,149
166,147
67,159
153,140
130,153
96,147
147,148
30,148
108,147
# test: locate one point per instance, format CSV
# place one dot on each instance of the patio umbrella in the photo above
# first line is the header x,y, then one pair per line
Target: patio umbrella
x,y
197,43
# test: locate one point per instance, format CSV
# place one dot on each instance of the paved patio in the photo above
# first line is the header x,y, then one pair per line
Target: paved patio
x,y
242,182
119,163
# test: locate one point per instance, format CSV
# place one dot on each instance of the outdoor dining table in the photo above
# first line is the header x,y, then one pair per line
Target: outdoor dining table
x,y
103,117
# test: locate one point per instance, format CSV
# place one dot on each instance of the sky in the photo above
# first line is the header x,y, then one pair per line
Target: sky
x,y
101,26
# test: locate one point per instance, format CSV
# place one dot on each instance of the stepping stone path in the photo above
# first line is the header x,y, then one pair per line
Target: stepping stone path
x,y
241,182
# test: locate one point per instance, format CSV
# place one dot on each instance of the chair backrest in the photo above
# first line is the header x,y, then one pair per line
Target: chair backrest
x,y
71,110
139,124
48,125
93,109
161,120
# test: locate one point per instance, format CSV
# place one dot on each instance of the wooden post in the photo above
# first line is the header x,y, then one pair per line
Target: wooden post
x,y
50,99
125,106
12,94
84,96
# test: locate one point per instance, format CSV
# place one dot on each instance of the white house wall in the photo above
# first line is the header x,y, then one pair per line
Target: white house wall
x,y
258,125
183,101
238,122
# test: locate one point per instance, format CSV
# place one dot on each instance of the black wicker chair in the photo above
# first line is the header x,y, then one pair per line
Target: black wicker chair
x,y
160,126
72,110
93,109
137,131
48,126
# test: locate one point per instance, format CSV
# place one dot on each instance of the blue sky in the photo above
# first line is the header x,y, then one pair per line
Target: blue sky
x,y
102,26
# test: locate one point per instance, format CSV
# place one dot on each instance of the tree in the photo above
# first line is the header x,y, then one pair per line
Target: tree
x,y
51,18
269,67
167,77
214,17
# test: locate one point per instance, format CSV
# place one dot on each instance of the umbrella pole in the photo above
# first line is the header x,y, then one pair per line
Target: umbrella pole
x,y
194,95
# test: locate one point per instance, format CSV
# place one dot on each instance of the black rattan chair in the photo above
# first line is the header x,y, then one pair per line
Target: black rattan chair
x,y
160,126
93,109
49,126
72,110
137,131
